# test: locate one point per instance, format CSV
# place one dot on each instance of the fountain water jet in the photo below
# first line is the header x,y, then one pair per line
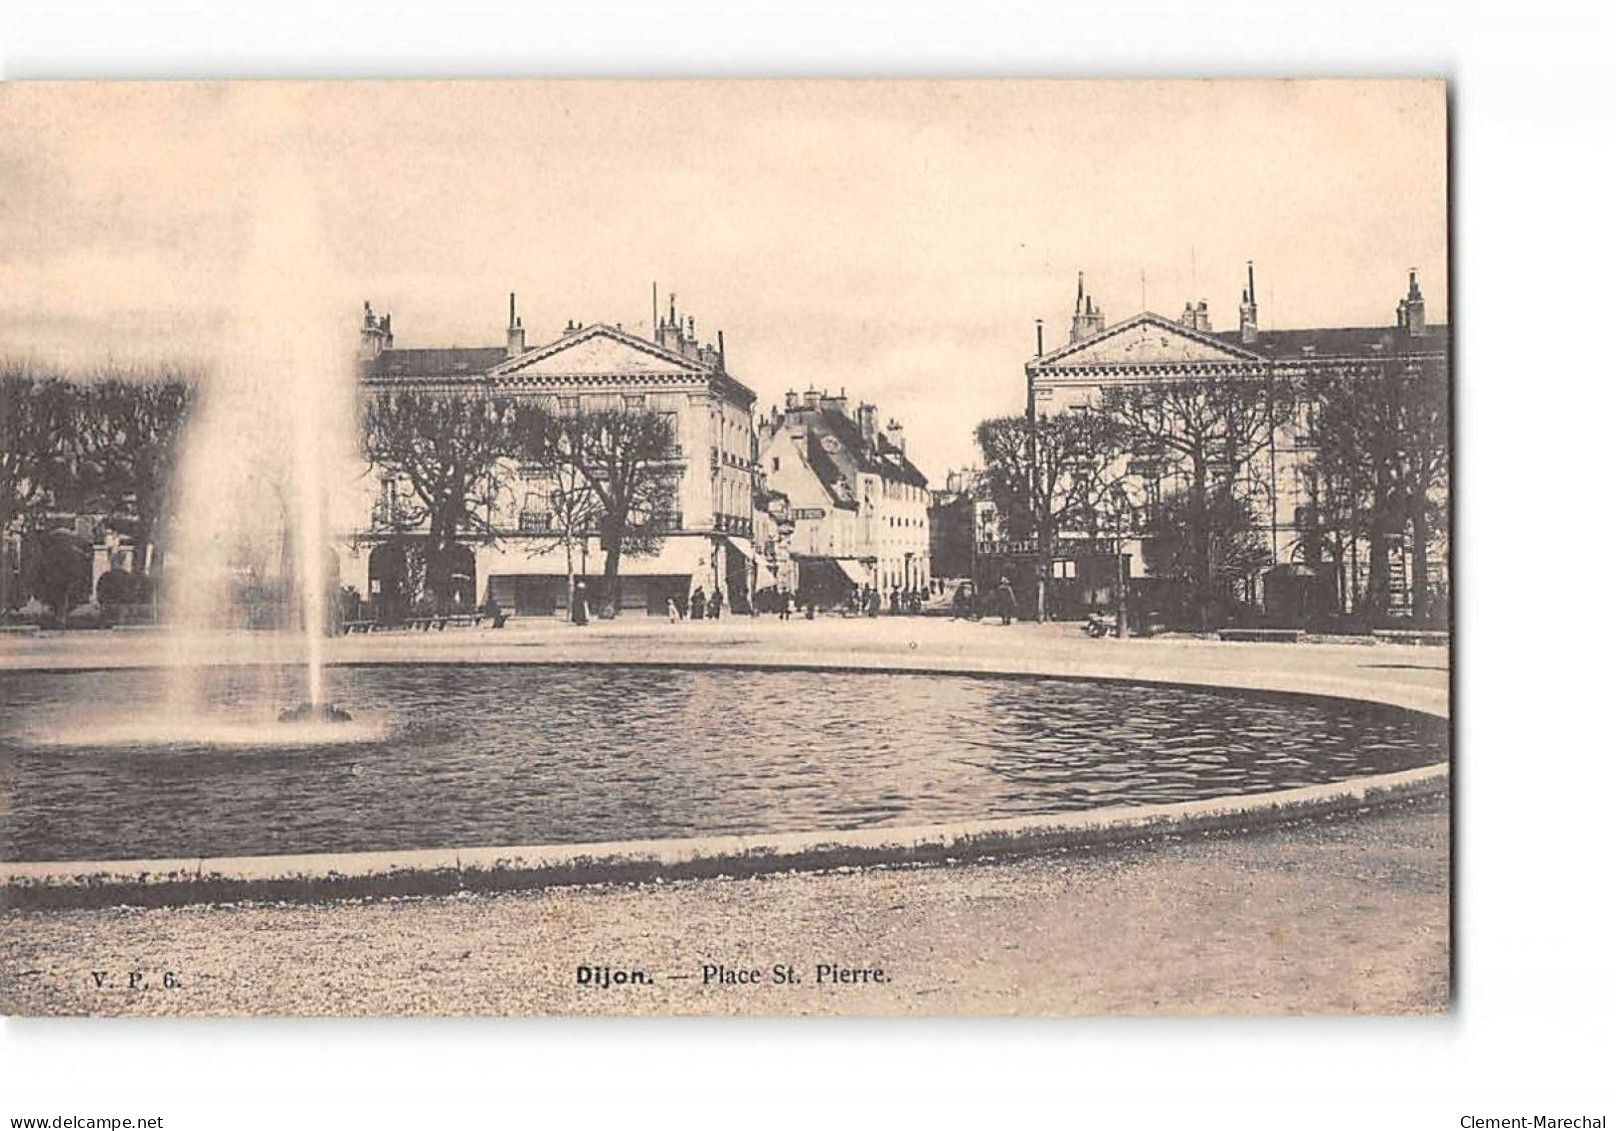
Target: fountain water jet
x,y
270,444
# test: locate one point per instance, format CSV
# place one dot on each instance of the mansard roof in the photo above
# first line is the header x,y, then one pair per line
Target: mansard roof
x,y
588,353
1344,341
1148,342
455,363
847,456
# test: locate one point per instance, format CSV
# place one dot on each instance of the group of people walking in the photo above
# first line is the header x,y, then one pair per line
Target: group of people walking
x,y
702,607
858,601
865,600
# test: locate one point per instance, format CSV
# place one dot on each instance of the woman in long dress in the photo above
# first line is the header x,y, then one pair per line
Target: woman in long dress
x,y
580,605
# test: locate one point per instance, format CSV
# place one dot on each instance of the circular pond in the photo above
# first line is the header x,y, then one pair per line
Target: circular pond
x,y
93,765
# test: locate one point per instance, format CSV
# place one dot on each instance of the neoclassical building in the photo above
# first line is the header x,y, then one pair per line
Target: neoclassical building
x,y
523,565
1149,348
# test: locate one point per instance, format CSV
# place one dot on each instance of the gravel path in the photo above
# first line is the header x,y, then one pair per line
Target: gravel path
x,y
1339,916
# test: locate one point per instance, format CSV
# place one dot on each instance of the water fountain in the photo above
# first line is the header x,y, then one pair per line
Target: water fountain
x,y
264,462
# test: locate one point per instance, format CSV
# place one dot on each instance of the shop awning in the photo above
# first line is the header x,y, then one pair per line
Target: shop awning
x,y
857,572
678,556
766,574
852,570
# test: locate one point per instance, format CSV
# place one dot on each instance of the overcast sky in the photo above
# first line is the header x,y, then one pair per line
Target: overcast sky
x,y
895,239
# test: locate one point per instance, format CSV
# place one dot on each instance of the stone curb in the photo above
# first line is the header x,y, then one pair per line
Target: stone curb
x,y
351,875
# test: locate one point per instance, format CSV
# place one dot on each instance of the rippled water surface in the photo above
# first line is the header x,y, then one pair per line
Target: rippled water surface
x,y
93,766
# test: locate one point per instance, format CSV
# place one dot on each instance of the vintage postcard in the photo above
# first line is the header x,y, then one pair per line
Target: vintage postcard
x,y
724,547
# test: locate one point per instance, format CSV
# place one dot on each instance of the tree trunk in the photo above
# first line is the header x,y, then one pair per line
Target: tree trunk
x,y
1202,539
1420,579
1046,558
1378,599
572,578
440,537
611,537
1352,584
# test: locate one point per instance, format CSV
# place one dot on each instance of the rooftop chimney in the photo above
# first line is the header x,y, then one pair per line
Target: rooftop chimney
x,y
895,435
1414,306
376,334
515,336
1086,321
810,399
1248,308
791,400
867,427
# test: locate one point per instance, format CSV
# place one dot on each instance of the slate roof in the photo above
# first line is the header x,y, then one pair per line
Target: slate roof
x,y
418,364
852,456
1348,341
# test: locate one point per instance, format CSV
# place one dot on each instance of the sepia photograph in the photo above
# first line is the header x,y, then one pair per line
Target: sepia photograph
x,y
726,547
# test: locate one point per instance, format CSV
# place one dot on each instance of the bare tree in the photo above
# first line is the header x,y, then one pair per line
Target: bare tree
x,y
1381,430
130,433
39,419
1061,482
38,429
447,448
551,451
629,460
1212,433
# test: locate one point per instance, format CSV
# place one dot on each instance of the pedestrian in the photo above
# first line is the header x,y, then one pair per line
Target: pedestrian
x,y
675,613
892,601
962,601
698,604
788,605
580,604
716,605
1007,600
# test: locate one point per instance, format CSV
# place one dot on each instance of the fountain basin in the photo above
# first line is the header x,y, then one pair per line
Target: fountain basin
x,y
472,754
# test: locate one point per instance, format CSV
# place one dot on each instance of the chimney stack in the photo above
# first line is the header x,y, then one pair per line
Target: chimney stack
x,y
867,420
895,436
376,334
791,400
1414,306
1248,308
515,336
1086,321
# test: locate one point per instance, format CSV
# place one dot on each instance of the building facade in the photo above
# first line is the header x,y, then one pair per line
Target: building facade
x,y
523,565
1149,348
961,516
857,505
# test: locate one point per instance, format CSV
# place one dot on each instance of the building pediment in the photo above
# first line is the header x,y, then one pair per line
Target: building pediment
x,y
600,350
1143,340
